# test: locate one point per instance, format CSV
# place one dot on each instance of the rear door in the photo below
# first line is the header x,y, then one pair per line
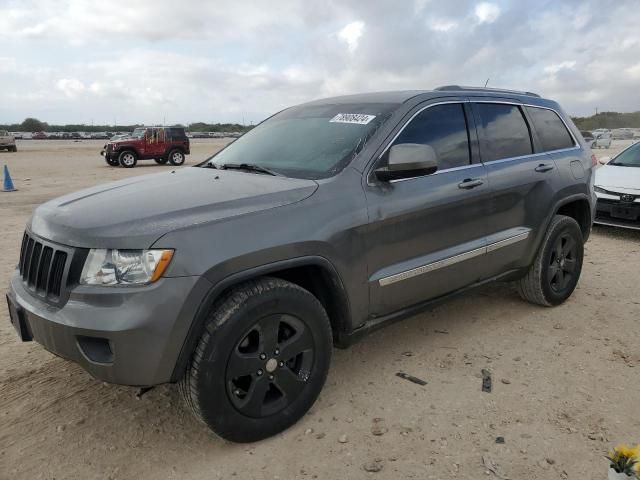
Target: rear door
x,y
426,234
522,180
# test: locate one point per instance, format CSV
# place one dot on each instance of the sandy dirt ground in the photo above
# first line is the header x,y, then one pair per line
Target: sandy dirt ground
x,y
566,382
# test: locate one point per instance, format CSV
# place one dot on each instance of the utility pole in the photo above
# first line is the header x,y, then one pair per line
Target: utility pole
x,y
596,110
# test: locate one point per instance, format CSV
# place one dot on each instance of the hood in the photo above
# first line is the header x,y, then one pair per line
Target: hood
x,y
135,212
618,179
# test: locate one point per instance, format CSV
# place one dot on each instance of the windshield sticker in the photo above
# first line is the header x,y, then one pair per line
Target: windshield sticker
x,y
358,118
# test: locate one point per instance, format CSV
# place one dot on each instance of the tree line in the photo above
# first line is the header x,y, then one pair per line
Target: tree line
x,y
34,125
608,120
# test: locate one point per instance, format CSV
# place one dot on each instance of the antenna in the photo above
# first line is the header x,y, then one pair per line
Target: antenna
x,y
486,83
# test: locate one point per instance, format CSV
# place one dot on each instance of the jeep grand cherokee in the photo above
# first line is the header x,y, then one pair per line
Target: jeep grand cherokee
x,y
330,219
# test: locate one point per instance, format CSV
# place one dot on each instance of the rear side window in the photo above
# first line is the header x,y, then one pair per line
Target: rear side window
x,y
506,133
443,127
551,131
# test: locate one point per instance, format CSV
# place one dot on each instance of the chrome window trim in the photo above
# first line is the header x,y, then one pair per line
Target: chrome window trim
x,y
446,262
576,144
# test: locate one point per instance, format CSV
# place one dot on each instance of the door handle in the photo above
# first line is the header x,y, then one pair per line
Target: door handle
x,y
469,183
544,167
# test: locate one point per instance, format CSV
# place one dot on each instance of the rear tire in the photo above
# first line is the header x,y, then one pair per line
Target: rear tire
x,y
176,157
128,159
13,149
261,362
557,266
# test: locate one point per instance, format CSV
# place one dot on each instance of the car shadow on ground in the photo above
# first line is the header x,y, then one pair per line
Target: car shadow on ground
x,y
617,232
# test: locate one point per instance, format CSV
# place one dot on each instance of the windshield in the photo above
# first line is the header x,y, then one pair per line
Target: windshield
x,y
138,132
310,141
628,158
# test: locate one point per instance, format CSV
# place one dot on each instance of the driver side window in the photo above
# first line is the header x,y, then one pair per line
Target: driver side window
x,y
444,128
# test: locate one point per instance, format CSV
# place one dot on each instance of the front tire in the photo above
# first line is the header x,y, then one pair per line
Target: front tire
x,y
176,157
128,159
261,362
112,162
557,266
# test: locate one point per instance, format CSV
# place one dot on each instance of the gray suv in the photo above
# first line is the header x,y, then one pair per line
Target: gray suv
x,y
328,220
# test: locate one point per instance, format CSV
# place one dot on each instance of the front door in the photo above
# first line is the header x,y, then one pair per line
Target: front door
x,y
155,143
426,235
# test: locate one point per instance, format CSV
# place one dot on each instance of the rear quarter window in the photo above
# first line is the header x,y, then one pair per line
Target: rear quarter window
x,y
550,129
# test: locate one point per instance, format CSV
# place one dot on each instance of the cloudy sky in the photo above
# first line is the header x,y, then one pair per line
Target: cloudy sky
x,y
149,61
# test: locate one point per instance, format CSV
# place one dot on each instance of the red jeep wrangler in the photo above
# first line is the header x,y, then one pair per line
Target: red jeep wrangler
x,y
162,144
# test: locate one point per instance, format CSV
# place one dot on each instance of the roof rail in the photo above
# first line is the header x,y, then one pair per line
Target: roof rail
x,y
450,88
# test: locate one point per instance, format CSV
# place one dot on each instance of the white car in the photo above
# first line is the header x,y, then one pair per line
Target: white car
x,y
601,140
617,186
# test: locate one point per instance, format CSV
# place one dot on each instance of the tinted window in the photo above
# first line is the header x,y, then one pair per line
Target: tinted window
x,y
506,133
444,128
550,129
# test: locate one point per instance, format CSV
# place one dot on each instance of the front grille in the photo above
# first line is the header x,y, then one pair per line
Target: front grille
x,y
43,267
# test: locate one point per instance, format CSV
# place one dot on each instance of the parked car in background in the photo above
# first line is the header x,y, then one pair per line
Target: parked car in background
x,y
617,186
162,144
100,136
7,141
323,223
587,136
601,140
39,136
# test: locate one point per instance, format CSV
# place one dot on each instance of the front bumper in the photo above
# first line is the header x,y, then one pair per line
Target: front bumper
x,y
124,335
617,213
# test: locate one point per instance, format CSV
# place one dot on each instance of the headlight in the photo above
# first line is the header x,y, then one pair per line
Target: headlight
x,y
600,190
124,267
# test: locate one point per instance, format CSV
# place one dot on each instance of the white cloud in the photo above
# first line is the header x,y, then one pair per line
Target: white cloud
x,y
351,34
443,25
487,12
71,87
556,67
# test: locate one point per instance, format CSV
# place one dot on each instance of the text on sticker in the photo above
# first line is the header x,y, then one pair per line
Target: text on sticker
x,y
359,118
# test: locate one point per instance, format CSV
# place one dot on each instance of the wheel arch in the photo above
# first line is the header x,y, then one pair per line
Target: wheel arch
x,y
170,148
313,273
128,148
578,208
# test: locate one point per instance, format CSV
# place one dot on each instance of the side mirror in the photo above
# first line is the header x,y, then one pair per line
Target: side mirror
x,y
604,160
409,160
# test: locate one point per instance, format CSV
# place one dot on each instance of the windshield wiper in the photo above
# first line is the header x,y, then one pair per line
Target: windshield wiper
x,y
250,167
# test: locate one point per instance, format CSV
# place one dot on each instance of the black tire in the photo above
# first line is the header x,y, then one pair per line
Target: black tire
x,y
112,162
176,157
14,149
128,159
557,266
161,160
263,311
